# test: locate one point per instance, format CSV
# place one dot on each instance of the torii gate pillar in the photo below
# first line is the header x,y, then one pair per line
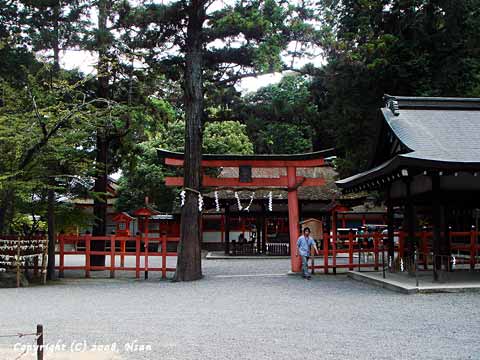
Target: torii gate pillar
x,y
293,219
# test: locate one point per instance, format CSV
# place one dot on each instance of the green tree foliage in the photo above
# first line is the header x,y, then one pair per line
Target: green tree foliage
x,y
284,118
45,132
286,138
416,48
227,137
144,175
54,25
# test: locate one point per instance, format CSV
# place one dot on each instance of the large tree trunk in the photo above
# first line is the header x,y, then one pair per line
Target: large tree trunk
x,y
189,262
100,202
6,205
56,37
51,234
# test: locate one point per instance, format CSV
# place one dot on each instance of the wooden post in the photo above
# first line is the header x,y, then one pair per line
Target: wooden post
x,y
164,256
424,247
88,244
350,250
401,244
293,219
258,226
264,232
44,263
410,219
390,230
437,227
200,227
334,255
61,255
112,256
39,342
326,238
145,249
375,249
138,239
446,248
35,266
18,262
227,229
222,229
123,249
334,241
473,240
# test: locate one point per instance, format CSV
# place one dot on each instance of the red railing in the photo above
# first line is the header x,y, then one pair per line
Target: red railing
x,y
116,247
338,251
355,251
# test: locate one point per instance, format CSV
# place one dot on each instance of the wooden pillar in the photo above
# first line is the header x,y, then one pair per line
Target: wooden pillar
x,y
446,249
222,228
227,229
293,219
436,222
258,231
441,244
145,244
410,222
390,229
264,235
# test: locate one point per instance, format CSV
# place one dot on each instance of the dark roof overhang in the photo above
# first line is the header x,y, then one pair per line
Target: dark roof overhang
x,y
402,166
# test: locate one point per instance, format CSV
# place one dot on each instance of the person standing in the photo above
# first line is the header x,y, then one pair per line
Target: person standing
x,y
304,243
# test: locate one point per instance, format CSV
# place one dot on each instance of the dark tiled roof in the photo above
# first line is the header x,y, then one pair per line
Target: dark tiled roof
x,y
439,133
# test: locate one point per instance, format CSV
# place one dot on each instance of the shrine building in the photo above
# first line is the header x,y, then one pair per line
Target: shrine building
x,y
427,165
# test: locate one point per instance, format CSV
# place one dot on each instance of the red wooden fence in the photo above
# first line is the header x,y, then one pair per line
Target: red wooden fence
x,y
116,247
346,251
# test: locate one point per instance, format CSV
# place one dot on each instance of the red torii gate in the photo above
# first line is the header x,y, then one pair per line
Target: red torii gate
x,y
291,182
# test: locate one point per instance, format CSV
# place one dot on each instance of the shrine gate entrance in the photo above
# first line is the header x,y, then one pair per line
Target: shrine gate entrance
x,y
249,176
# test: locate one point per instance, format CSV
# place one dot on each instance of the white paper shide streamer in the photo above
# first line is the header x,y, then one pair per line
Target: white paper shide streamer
x,y
182,198
238,201
251,201
200,202
217,203
270,201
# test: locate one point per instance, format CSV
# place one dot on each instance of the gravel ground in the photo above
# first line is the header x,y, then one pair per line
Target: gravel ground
x,y
246,309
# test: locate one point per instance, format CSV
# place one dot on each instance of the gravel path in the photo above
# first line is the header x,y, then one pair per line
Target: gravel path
x,y
264,315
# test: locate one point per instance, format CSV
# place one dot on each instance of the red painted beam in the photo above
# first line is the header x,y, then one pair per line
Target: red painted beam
x,y
235,182
252,163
